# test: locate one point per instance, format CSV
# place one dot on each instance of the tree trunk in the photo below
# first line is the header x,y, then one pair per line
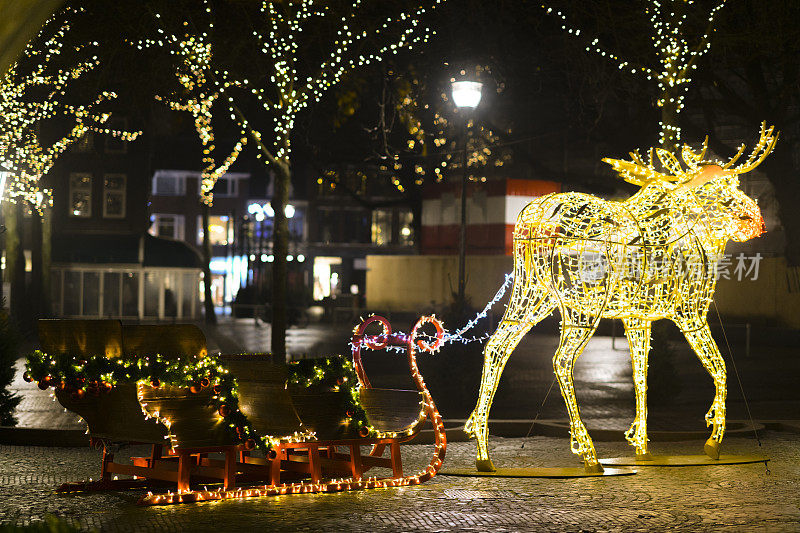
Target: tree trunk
x,y
15,261
35,287
669,121
47,260
280,248
211,316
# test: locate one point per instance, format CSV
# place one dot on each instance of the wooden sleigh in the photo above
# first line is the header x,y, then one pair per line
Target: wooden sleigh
x,y
313,449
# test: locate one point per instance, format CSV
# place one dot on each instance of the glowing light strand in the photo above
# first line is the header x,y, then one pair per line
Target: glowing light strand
x,y
650,257
201,90
450,337
27,100
287,23
677,57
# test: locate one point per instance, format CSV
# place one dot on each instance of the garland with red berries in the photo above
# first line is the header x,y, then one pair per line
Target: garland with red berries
x,y
93,376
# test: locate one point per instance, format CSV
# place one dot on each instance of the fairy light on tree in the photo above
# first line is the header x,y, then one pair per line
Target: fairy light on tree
x,y
412,132
677,54
293,36
33,98
291,40
417,140
200,90
29,97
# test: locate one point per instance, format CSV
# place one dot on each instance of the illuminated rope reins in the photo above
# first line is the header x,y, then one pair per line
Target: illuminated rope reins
x,y
458,335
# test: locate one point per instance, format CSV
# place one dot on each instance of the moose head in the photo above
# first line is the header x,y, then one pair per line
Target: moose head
x,y
706,190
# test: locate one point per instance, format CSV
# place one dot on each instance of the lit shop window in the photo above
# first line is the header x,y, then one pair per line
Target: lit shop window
x,y
220,230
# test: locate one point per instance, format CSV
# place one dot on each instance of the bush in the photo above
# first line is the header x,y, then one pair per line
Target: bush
x,y
9,343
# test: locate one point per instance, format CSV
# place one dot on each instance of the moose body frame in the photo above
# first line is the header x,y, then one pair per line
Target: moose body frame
x,y
650,257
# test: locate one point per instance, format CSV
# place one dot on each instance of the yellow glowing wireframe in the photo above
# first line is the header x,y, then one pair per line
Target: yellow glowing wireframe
x,y
649,257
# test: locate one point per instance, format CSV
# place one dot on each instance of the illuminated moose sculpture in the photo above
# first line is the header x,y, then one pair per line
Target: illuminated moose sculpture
x,y
649,257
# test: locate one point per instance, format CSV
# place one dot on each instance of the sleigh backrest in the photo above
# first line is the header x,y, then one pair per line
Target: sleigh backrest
x,y
115,415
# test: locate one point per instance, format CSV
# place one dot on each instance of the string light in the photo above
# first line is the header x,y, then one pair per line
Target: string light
x,y
161,380
649,257
412,344
201,90
287,92
484,150
677,57
28,99
282,43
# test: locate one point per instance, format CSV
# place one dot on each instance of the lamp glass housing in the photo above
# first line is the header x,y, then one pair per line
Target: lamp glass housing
x,y
466,93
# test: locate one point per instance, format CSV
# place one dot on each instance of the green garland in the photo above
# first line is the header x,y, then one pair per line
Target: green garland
x,y
93,376
335,373
68,372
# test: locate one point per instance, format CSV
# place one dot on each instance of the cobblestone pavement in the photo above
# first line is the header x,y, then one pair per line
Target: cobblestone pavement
x,y
719,498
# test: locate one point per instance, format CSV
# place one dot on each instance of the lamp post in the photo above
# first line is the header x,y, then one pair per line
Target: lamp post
x,y
467,96
2,230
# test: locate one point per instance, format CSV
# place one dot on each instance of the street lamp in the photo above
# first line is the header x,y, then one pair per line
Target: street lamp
x,y
3,175
467,96
466,93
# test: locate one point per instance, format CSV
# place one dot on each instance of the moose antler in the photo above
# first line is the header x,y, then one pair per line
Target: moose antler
x,y
641,172
762,149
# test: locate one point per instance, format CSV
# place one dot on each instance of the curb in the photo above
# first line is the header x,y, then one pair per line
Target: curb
x,y
62,438
560,428
75,438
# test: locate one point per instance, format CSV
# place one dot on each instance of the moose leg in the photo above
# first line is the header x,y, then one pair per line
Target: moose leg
x,y
699,337
528,305
573,340
638,333
497,352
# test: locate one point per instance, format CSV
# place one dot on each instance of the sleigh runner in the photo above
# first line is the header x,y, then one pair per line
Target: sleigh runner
x,y
157,385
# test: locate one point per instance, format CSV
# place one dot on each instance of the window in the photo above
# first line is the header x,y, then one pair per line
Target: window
x,y
220,230
114,195
392,227
406,234
112,283
80,195
164,225
226,187
115,292
343,225
115,145
85,144
382,227
169,185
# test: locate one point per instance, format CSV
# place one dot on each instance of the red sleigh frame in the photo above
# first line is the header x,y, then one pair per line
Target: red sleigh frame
x,y
301,466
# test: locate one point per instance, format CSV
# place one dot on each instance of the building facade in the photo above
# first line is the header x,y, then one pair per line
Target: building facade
x,y
492,209
104,264
175,213
352,215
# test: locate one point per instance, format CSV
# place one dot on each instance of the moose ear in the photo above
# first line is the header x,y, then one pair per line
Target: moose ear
x,y
704,175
